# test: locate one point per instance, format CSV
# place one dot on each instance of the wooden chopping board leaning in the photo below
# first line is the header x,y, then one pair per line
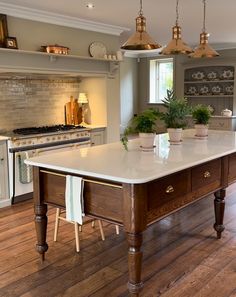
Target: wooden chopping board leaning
x,y
73,113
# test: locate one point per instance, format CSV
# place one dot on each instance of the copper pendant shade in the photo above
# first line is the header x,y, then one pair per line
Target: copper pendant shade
x,y
204,50
176,45
140,40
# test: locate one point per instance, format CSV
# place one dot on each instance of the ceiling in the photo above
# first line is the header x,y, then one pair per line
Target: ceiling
x,y
160,14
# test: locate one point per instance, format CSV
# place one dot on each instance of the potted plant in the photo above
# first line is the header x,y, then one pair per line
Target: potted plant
x,y
174,116
144,124
201,115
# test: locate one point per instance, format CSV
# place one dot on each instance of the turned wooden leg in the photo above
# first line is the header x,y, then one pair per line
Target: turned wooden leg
x,y
41,229
135,263
219,204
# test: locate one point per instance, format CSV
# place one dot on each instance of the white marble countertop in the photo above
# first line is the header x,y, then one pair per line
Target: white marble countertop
x,y
112,162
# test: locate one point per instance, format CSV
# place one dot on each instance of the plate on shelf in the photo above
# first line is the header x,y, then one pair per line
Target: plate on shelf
x,y
216,90
204,90
97,50
229,90
212,75
227,74
192,90
199,75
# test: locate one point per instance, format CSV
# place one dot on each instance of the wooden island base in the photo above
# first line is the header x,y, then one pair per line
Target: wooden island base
x,y
136,206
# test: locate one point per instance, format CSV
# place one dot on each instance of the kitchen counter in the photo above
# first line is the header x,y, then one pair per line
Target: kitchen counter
x,y
136,166
134,188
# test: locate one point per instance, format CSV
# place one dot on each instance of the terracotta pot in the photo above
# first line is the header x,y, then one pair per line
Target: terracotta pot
x,y
147,140
201,130
175,135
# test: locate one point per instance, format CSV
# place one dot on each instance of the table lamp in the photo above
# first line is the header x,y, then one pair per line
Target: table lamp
x,y
83,100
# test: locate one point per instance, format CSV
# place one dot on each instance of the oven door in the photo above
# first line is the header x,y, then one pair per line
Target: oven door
x,y
21,179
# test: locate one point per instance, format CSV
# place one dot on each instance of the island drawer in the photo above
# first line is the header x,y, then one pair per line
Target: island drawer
x,y
207,175
168,188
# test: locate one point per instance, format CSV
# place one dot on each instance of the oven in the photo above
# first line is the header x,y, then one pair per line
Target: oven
x,y
23,147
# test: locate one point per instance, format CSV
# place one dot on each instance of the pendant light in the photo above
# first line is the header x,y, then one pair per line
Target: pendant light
x,y
140,40
204,50
176,45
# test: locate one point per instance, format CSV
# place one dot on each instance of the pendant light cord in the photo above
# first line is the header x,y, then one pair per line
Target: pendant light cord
x,y
177,12
204,16
141,8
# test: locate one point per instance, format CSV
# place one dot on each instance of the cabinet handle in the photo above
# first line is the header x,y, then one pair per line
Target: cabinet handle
x,y
207,174
169,189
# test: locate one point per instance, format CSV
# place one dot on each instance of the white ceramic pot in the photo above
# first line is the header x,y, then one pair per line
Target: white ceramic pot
x,y
226,113
147,140
201,130
175,135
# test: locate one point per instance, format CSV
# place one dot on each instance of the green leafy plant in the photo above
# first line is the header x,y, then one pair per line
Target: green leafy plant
x,y
176,111
144,122
201,114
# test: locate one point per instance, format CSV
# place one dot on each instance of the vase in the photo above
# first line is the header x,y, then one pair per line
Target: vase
x,y
175,135
147,140
201,130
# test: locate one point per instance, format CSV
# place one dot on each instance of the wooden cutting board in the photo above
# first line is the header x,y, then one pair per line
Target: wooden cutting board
x,y
73,113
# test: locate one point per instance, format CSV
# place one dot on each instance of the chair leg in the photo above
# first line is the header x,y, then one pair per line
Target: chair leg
x,y
101,229
93,223
58,211
77,237
80,228
117,230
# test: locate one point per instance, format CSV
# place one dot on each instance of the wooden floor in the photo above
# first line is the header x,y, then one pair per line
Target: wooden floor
x,y
182,257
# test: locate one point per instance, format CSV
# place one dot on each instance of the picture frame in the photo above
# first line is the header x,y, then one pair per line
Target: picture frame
x,y
11,42
3,29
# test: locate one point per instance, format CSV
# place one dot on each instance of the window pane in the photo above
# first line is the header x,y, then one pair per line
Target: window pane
x,y
165,79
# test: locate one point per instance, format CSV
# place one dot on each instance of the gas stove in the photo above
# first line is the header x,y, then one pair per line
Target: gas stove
x,y
46,129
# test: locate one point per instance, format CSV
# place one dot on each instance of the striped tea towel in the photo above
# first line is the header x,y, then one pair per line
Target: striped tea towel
x,y
74,199
25,171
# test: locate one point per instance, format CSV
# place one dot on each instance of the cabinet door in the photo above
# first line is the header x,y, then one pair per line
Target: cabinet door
x,y
97,137
3,172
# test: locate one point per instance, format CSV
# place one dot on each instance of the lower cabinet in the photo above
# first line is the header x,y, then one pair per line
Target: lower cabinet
x,y
3,172
97,136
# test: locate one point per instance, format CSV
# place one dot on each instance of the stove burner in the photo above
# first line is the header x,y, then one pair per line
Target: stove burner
x,y
45,129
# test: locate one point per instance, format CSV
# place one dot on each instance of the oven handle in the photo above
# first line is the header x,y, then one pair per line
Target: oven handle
x,y
55,148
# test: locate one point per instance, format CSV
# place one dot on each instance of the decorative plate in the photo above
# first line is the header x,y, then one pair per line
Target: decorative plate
x,y
192,90
97,50
204,90
229,89
227,74
198,75
216,89
212,75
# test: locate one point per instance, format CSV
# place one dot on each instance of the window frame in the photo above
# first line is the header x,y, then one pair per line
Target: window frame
x,y
153,78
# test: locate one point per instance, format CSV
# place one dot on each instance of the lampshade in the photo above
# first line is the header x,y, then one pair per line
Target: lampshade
x,y
176,45
204,50
140,40
82,98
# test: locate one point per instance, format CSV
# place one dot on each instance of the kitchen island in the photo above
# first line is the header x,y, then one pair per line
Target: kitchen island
x,y
135,188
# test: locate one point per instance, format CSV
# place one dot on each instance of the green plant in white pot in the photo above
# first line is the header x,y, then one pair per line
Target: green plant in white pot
x,y
201,115
174,116
144,124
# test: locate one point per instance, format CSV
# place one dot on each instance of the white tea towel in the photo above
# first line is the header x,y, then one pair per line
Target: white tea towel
x,y
74,199
25,171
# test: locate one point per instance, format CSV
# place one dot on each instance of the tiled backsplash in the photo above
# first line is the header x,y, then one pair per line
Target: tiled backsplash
x,y
34,102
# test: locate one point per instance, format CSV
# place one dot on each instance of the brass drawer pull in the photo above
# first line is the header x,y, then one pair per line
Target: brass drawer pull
x,y
169,189
207,174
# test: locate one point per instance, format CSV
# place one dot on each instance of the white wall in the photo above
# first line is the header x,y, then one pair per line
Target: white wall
x,y
128,91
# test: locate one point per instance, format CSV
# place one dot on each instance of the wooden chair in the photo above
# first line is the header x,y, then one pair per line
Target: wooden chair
x,y
78,228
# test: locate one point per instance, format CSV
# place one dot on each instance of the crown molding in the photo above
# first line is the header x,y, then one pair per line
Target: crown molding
x,y
59,19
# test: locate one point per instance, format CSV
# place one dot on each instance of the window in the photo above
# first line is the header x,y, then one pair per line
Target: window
x,y
161,79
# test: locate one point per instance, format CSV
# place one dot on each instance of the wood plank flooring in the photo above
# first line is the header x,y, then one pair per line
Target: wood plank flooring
x,y
182,257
